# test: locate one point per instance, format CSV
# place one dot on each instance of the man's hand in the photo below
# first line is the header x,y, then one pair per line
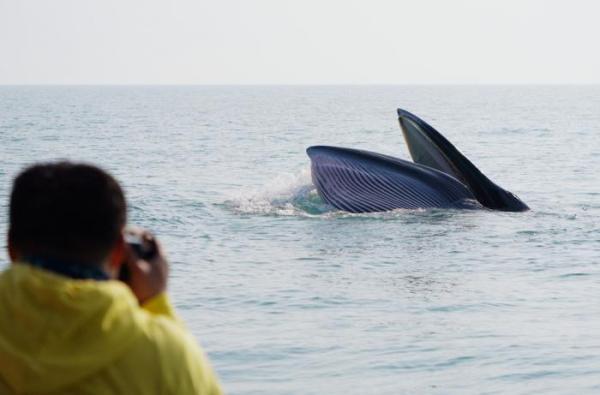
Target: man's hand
x,y
147,278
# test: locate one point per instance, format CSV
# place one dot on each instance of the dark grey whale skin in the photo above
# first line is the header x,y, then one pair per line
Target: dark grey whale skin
x,y
360,181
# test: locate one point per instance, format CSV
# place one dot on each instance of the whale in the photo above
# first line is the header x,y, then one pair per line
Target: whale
x,y
440,176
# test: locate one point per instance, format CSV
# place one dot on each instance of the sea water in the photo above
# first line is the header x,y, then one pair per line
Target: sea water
x,y
287,295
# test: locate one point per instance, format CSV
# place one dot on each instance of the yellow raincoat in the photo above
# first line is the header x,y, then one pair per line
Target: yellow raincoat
x,y
65,336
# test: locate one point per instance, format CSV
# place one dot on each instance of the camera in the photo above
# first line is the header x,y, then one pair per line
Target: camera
x,y
143,248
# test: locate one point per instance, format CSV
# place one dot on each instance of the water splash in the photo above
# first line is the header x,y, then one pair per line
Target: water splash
x,y
295,195
285,195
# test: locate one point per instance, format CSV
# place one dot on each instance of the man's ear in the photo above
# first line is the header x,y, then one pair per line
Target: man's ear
x,y
13,253
117,255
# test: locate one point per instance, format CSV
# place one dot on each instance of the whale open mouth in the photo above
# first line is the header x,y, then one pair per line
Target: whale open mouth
x,y
361,181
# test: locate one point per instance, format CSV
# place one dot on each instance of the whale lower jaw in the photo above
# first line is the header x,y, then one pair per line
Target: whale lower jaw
x,y
361,181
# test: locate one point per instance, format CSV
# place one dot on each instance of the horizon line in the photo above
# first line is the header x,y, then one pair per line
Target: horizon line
x,y
51,84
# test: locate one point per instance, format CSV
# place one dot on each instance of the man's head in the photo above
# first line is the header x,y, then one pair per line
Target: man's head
x,y
66,211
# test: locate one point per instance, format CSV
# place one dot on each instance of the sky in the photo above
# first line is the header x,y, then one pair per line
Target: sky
x,y
299,42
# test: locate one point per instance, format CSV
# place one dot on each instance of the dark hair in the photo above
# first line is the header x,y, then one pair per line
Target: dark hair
x,y
68,211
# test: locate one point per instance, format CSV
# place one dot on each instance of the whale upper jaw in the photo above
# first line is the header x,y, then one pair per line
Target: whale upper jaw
x,y
430,148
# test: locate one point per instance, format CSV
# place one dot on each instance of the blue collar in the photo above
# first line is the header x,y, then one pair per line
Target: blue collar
x,y
78,271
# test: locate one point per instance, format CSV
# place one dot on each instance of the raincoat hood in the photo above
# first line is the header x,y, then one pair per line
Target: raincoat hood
x,y
55,331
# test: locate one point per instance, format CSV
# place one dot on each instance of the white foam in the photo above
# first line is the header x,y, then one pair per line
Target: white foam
x,y
293,194
289,194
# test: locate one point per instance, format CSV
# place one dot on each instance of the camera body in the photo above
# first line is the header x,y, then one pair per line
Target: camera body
x,y
143,248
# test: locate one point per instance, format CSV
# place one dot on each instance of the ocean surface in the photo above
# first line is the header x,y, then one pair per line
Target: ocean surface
x,y
289,296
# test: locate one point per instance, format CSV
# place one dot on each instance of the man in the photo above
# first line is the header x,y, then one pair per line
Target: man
x,y
67,325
